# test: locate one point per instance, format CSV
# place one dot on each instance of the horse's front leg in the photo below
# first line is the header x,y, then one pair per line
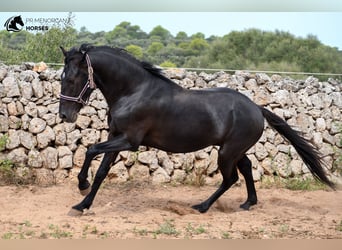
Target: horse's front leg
x,y
111,149
83,183
99,177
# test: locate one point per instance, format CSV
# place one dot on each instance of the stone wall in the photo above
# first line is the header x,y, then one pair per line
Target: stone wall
x,y
37,139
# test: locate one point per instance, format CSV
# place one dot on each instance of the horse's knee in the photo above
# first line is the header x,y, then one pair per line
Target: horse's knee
x,y
83,184
91,152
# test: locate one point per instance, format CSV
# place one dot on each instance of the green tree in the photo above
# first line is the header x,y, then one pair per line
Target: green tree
x,y
222,54
198,45
135,32
45,46
181,37
135,51
84,36
154,48
15,40
99,38
159,31
11,44
248,49
125,34
117,32
168,64
199,35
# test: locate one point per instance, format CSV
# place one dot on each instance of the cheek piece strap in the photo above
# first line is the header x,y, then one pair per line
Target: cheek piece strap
x,y
90,84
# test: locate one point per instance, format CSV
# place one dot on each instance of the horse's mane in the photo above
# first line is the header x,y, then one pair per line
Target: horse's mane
x,y
84,48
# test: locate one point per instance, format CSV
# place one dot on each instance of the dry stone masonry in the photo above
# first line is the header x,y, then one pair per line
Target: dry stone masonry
x,y
36,139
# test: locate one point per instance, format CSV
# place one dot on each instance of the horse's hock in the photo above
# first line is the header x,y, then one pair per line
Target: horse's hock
x,y
33,137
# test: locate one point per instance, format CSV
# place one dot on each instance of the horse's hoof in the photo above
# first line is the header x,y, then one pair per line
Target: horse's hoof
x,y
74,212
200,208
247,205
86,191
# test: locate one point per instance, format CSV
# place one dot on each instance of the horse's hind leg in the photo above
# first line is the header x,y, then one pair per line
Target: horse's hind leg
x,y
245,168
227,166
225,185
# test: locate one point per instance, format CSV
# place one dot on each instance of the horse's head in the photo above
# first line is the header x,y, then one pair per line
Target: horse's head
x,y
77,84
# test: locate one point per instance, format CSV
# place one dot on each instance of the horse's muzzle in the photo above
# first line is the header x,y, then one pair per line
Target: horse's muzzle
x,y
68,117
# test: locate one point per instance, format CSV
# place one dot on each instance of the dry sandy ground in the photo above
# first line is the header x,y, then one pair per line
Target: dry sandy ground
x,y
140,210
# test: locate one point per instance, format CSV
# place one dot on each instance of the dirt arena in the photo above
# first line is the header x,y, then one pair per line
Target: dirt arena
x,y
140,210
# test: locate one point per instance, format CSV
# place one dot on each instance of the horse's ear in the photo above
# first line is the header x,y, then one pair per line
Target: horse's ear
x,y
64,51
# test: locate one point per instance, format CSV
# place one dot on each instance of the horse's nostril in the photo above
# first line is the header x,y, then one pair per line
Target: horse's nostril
x,y
62,116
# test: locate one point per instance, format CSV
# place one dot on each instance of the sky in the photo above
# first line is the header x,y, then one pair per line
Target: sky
x,y
326,26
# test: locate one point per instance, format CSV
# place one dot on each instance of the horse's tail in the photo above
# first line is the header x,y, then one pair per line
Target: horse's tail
x,y
307,152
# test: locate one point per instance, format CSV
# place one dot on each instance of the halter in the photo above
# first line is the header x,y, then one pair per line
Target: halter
x,y
90,84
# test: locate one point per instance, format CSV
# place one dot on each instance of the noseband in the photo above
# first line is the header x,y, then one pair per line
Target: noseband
x,y
90,84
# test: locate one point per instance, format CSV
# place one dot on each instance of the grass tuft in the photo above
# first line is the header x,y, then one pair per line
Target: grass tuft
x,y
296,183
339,227
167,228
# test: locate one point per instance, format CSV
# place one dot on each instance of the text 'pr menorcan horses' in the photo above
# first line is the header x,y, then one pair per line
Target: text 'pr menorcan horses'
x,y
146,108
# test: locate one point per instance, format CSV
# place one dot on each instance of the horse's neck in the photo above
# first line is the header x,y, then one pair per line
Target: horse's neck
x,y
115,85
150,87
113,90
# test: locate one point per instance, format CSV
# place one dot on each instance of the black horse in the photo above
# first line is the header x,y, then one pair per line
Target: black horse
x,y
146,108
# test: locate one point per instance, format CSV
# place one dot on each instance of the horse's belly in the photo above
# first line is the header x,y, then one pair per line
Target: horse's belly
x,y
181,140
